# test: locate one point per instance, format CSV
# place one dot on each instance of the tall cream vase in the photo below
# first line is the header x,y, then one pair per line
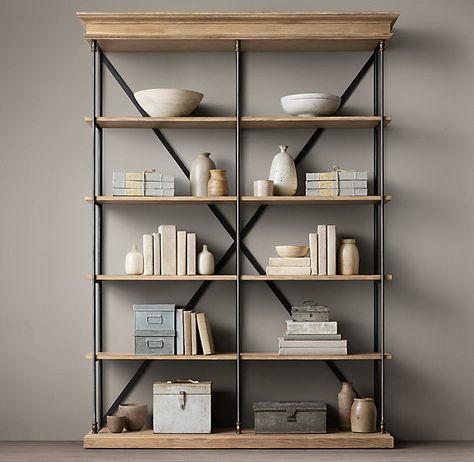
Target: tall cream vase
x,y
283,174
200,174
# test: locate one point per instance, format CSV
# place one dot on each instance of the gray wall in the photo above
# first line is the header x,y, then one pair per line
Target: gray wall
x,y
45,383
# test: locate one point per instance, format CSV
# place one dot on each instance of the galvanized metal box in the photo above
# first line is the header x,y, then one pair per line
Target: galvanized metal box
x,y
310,312
163,344
153,319
290,417
182,406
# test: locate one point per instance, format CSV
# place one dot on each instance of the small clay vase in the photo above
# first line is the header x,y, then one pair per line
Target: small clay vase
x,y
217,185
205,261
345,398
115,423
134,261
348,257
200,175
135,416
363,416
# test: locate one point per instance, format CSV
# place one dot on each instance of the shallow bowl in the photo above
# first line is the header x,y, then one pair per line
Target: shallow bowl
x,y
168,102
291,251
310,104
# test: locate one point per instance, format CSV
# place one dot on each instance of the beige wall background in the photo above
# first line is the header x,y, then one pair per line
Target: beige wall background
x,y
45,383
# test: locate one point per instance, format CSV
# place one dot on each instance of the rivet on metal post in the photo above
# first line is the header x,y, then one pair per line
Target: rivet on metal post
x,y
382,45
237,46
93,45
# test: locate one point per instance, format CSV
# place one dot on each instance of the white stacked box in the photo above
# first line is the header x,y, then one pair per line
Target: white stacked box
x,y
336,183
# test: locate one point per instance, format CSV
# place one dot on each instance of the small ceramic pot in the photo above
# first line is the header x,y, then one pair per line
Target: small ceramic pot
x,y
205,261
199,177
217,185
263,188
115,423
135,416
345,398
348,257
363,416
134,261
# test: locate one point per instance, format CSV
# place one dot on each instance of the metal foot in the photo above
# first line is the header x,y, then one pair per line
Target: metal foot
x,y
237,428
95,427
382,427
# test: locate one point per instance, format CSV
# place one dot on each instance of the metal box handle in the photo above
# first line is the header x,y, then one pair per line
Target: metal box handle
x,y
159,319
291,415
158,343
182,399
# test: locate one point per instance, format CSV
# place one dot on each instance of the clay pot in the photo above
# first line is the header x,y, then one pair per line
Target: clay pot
x,y
217,185
283,174
263,188
135,416
115,423
200,175
348,257
345,398
363,416
205,261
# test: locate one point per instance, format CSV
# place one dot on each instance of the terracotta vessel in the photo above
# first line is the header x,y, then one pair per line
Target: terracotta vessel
x,y
283,174
135,416
115,423
348,257
205,261
134,261
263,188
345,398
200,175
217,185
363,416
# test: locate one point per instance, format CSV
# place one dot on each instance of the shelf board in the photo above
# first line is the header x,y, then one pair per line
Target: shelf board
x,y
106,356
198,277
245,122
175,200
229,439
358,277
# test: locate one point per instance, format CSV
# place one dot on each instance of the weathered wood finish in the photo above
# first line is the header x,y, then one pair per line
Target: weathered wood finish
x,y
129,277
349,31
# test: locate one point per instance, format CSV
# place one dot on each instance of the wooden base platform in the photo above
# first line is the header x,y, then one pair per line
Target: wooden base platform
x,y
228,439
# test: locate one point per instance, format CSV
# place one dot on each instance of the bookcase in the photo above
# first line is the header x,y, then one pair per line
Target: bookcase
x,y
237,33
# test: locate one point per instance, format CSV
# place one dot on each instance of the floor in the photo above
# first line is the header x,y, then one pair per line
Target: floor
x,y
404,452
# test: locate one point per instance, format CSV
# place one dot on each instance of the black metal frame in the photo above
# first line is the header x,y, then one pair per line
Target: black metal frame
x,y
99,60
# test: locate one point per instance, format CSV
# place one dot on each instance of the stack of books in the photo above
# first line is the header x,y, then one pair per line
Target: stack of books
x,y
322,251
142,184
311,333
291,266
190,343
337,183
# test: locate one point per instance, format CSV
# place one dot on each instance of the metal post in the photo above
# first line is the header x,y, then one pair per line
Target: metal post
x,y
237,229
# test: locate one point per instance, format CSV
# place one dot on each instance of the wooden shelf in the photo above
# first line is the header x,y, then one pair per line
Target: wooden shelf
x,y
175,200
358,277
106,356
341,31
245,122
199,277
229,439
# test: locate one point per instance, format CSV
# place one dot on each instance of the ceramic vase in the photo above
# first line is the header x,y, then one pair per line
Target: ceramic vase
x,y
283,174
348,257
200,175
217,184
134,261
205,261
263,188
115,423
363,416
135,416
345,398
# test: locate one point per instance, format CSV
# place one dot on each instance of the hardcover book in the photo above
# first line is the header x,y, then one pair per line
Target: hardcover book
x,y
168,249
312,337
205,333
194,340
187,332
181,253
288,271
156,254
313,252
331,250
322,250
191,254
312,351
283,343
294,327
279,261
179,331
147,254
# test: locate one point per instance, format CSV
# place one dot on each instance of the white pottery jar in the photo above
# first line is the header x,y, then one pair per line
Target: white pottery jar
x,y
348,257
200,174
134,261
283,174
205,263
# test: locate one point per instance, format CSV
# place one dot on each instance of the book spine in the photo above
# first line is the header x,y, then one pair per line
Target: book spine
x,y
152,176
156,254
341,184
168,249
288,270
187,333
313,252
127,176
147,254
179,332
127,192
191,254
279,261
127,184
312,351
322,248
205,333
312,337
194,344
331,250
321,176
294,327
181,251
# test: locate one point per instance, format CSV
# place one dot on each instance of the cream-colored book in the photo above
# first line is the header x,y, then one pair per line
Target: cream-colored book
x,y
187,332
148,254
331,250
194,344
205,333
156,254
168,249
191,254
313,252
279,261
288,271
181,253
322,250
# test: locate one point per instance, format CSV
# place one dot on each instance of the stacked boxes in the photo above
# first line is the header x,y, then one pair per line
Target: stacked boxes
x,y
337,183
142,184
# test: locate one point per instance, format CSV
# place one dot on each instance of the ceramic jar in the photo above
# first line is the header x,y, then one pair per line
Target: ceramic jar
x,y
348,257
263,188
363,416
345,398
134,261
283,174
217,185
135,416
205,261
115,423
200,175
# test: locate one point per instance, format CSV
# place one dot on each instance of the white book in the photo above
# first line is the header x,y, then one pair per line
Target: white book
x,y
179,331
312,351
147,254
279,261
181,253
331,250
288,270
191,254
308,327
282,343
313,252
156,254
194,344
168,249
322,248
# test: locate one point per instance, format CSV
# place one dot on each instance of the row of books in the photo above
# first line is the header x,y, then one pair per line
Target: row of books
x,y
337,183
190,343
169,252
148,183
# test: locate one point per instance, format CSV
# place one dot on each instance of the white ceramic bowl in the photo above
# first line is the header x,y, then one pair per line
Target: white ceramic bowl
x,y
310,104
291,251
168,102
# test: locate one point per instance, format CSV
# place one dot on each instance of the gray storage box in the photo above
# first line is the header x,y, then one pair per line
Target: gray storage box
x,y
182,406
156,345
153,319
290,417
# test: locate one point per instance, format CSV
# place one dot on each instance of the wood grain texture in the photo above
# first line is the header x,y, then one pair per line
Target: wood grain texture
x,y
277,357
107,356
128,277
175,200
223,439
358,277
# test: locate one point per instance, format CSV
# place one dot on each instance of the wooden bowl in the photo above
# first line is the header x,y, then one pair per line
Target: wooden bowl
x,y
291,251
